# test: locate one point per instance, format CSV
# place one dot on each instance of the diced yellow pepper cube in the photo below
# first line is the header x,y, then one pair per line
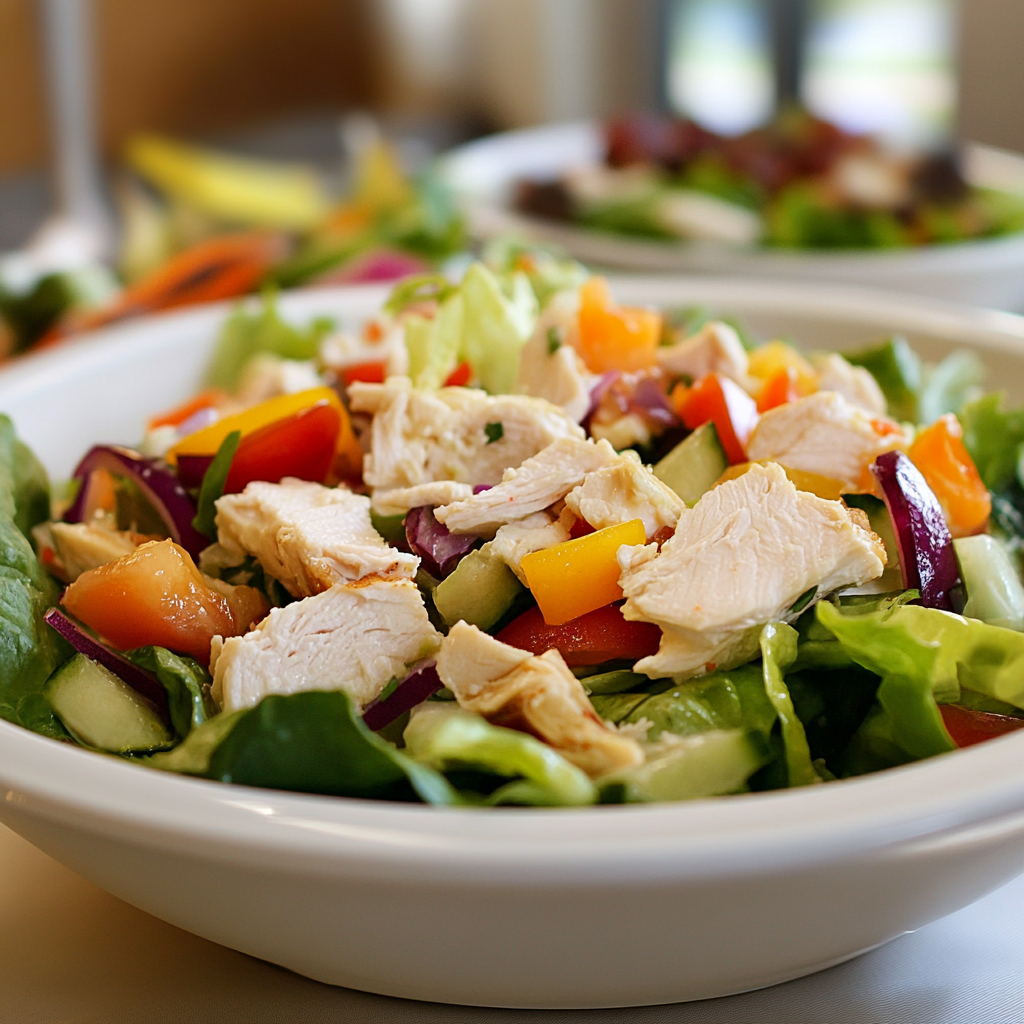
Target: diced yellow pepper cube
x,y
768,359
582,575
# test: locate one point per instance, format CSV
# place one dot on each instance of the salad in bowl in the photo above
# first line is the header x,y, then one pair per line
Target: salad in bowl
x,y
509,542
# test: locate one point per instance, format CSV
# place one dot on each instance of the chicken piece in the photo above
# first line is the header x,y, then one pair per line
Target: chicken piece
x,y
70,549
623,490
740,558
354,637
399,501
623,431
824,434
542,530
537,484
308,536
266,376
715,348
536,695
854,383
549,366
453,434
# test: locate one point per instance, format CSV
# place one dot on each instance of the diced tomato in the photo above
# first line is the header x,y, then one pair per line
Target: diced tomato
x,y
967,726
368,373
173,417
598,636
460,376
302,445
939,452
615,337
156,595
723,402
782,387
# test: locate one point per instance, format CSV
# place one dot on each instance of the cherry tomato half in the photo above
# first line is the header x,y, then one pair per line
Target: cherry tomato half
x,y
967,726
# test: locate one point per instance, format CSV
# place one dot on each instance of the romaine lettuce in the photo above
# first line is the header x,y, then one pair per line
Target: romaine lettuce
x,y
184,680
993,435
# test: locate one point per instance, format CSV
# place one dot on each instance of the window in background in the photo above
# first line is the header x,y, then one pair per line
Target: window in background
x,y
883,66
719,69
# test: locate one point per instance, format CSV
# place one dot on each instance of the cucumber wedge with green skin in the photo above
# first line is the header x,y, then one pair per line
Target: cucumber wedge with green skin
x,y
994,591
102,711
480,591
694,465
706,764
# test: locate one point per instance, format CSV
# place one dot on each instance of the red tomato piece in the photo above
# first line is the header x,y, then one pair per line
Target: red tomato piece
x,y
303,446
366,373
596,637
967,726
460,376
724,403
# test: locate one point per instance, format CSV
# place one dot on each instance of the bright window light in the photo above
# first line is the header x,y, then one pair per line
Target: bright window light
x,y
719,66
883,66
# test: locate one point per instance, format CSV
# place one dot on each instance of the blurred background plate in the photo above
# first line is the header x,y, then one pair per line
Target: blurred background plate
x,y
483,173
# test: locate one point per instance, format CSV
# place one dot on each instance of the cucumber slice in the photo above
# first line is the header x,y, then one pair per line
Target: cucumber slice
x,y
102,711
706,764
694,465
994,591
480,591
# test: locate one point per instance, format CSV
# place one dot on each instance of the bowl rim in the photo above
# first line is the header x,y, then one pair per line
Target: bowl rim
x,y
921,803
491,214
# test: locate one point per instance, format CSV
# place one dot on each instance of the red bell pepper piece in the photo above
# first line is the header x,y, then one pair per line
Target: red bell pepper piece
x,y
366,373
598,636
967,726
724,403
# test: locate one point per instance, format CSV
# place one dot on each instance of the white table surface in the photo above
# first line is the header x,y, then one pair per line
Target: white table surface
x,y
71,953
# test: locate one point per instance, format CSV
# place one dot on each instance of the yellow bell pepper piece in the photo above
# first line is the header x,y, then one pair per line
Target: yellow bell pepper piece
x,y
768,359
582,575
209,439
822,486
258,193
615,337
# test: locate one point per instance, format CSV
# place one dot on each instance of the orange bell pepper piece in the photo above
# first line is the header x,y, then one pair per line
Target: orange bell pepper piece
x,y
579,576
156,595
460,376
782,387
939,452
615,337
724,403
368,373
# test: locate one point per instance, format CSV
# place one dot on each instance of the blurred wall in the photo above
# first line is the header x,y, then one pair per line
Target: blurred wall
x,y
992,72
192,66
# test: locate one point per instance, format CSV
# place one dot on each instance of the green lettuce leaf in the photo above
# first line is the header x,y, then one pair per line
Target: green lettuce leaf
x,y
434,344
447,738
897,368
993,435
184,680
29,649
778,652
949,385
312,742
247,334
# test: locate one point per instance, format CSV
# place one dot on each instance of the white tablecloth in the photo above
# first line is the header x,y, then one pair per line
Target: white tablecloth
x,y
71,953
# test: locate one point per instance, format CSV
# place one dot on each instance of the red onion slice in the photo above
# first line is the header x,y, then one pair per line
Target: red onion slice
x,y
927,558
414,689
597,392
649,400
162,489
439,550
138,679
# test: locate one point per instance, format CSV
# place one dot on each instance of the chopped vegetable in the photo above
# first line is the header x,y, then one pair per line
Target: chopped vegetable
x,y
967,727
161,489
579,576
897,368
926,547
993,436
410,691
213,486
939,453
481,590
724,403
440,551
154,596
992,581
615,337
695,465
590,639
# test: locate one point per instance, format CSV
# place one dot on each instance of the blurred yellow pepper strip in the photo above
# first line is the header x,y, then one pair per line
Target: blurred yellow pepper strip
x,y
209,439
768,359
579,576
241,191
822,486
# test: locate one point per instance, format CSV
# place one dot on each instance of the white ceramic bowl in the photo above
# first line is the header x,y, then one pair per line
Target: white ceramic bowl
x,y
988,272
603,906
